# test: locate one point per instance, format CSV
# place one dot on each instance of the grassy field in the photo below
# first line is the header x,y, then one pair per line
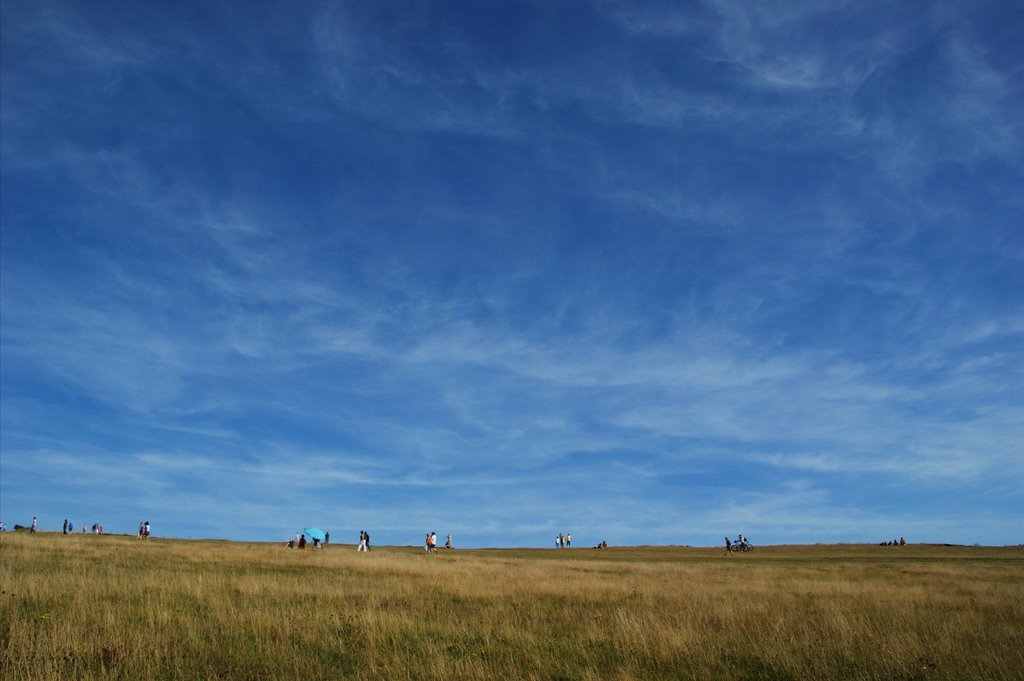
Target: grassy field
x,y
116,608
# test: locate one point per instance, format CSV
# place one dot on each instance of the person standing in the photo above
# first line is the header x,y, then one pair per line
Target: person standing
x,y
302,542
145,531
568,540
327,538
65,526
362,541
32,530
448,542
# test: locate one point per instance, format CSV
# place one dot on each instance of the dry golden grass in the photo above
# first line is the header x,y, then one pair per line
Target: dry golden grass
x,y
115,608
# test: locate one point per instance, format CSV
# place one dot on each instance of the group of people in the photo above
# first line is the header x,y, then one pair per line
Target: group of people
x,y
300,540
143,530
602,545
895,542
430,544
563,541
69,527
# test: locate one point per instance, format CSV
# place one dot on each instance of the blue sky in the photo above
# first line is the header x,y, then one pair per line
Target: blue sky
x,y
645,272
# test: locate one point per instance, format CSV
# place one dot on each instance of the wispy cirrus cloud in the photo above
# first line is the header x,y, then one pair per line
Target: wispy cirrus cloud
x,y
648,273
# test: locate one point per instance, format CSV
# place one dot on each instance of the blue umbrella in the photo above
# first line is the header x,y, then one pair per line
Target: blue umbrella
x,y
314,533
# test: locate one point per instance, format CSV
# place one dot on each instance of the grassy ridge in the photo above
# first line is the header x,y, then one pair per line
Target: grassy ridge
x,y
114,607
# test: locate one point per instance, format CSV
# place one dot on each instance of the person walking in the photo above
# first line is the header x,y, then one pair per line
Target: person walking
x,y
426,546
302,542
362,541
65,526
32,530
145,531
367,542
448,542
